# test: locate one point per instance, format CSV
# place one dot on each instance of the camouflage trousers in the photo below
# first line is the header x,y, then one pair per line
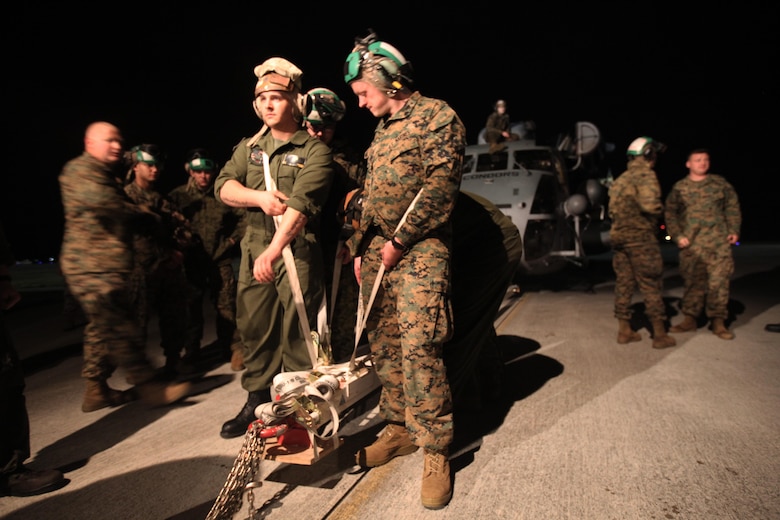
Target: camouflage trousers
x,y
706,276
166,292
344,314
112,336
639,267
409,322
218,284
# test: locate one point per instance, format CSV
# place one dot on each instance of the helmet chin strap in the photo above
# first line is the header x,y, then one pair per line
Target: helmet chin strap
x,y
255,138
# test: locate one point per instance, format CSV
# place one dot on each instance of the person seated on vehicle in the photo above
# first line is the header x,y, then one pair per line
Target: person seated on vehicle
x,y
498,128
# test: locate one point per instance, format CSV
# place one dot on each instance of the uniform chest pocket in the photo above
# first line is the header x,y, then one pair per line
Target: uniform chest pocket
x,y
286,178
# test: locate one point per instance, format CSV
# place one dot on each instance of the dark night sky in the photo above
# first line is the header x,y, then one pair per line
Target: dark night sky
x,y
182,78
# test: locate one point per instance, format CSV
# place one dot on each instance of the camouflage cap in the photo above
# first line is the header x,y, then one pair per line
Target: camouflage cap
x,y
277,74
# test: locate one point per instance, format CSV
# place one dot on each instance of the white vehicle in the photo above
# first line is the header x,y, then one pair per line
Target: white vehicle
x,y
533,185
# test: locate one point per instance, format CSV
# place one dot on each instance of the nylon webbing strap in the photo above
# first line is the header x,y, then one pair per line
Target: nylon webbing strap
x,y
292,272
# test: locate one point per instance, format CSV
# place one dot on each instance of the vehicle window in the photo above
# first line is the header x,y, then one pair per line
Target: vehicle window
x,y
543,160
534,160
491,161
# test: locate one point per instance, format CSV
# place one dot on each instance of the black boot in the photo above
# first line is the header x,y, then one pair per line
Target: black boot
x,y
240,423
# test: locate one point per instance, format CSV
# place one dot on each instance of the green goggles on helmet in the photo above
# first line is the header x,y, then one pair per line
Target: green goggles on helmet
x,y
201,164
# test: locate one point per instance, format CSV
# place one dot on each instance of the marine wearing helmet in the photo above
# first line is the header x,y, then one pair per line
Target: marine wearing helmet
x,y
278,74
379,63
325,107
645,147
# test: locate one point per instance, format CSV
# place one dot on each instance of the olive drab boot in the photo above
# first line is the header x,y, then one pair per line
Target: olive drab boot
x,y
626,334
436,489
660,338
99,395
720,330
394,441
686,325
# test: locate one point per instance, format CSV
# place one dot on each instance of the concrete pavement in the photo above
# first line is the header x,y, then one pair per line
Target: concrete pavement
x,y
585,429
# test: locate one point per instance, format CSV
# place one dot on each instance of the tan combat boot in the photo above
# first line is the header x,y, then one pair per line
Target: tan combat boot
x,y
237,359
626,334
660,338
720,330
157,393
686,325
436,490
394,441
99,395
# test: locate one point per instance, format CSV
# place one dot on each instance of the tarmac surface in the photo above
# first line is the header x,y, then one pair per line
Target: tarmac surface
x,y
584,429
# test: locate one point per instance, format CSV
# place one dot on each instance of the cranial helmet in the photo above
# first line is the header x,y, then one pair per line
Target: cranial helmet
x,y
326,107
200,160
500,103
278,74
645,147
147,153
380,63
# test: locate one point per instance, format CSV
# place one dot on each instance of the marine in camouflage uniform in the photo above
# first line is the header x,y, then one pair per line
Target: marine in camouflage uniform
x,y
349,174
418,149
326,111
96,259
703,217
301,168
635,208
159,282
216,231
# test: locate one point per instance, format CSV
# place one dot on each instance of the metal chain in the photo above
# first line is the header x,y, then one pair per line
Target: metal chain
x,y
243,477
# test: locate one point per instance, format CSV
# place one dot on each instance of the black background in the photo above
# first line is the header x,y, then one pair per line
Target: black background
x,y
181,77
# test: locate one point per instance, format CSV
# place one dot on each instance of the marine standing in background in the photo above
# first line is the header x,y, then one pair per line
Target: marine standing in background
x,y
159,282
208,262
327,109
97,262
703,217
414,164
16,479
301,167
636,209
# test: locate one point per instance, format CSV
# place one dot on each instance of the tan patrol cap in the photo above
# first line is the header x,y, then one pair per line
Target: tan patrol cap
x,y
277,74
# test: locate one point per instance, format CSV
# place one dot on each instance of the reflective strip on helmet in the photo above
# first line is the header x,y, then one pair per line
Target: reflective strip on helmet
x,y
145,157
200,164
388,51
